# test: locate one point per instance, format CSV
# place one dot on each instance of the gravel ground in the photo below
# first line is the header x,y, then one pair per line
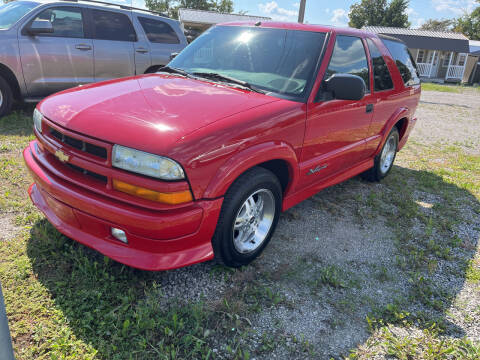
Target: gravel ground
x,y
327,230
335,231
449,118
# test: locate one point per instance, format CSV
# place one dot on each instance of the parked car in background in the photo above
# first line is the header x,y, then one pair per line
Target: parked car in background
x,y
48,46
169,169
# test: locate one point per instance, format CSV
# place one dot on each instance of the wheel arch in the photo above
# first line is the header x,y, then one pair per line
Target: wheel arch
x,y
12,80
400,119
279,158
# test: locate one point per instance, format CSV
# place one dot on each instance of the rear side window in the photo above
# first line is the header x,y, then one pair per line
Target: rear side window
x,y
109,25
381,76
349,58
66,21
158,31
404,61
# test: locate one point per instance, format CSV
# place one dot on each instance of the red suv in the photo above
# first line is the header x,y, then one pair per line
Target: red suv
x,y
169,169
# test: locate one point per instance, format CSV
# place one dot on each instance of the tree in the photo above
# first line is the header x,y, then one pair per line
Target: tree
x,y
170,7
469,24
379,13
437,25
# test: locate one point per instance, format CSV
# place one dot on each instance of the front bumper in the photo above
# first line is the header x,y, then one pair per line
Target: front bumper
x,y
179,238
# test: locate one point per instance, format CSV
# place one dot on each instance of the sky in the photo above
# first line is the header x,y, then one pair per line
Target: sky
x,y
336,12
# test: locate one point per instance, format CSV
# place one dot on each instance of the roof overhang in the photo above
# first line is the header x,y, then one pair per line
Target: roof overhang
x,y
433,43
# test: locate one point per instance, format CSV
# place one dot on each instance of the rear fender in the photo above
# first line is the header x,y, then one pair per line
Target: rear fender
x,y
398,115
248,158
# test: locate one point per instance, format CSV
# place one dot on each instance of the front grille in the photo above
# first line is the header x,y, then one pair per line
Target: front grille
x,y
89,173
91,149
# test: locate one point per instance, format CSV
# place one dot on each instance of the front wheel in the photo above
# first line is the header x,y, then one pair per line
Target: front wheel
x,y
6,97
384,161
249,215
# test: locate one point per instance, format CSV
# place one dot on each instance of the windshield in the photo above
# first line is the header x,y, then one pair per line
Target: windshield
x,y
275,60
12,12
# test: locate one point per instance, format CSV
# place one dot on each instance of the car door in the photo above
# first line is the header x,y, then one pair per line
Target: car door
x,y
163,39
59,60
113,41
336,129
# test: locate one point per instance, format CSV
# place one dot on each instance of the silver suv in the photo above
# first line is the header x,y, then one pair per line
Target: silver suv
x,y
48,46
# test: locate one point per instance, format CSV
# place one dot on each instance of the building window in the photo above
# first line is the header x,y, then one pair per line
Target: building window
x,y
461,60
446,59
420,56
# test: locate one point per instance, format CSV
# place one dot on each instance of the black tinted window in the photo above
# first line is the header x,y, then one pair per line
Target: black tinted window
x,y
159,31
66,21
276,60
404,61
349,58
381,76
112,26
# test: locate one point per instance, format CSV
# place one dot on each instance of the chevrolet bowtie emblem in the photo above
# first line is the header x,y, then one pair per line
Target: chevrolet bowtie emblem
x,y
61,156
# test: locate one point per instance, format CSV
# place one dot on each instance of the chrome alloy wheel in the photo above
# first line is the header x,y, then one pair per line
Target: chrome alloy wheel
x,y
388,154
253,221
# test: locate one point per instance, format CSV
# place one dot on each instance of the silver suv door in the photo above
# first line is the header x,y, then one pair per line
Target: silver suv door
x,y
59,60
163,38
113,39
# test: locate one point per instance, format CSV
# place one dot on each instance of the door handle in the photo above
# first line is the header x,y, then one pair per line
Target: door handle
x,y
83,47
141,50
369,108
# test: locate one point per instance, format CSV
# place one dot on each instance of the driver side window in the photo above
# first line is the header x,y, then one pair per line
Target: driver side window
x,y
66,21
349,57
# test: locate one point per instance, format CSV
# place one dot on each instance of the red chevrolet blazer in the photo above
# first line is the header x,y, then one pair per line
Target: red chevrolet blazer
x,y
198,160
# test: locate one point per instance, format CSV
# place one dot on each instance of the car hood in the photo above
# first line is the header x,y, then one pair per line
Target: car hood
x,y
148,112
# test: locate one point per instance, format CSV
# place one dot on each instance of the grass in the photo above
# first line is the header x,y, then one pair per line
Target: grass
x,y
65,301
453,88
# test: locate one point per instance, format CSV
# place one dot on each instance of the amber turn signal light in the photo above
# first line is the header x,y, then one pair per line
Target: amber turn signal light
x,y
174,198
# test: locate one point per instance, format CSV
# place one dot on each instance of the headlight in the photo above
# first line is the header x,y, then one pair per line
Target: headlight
x,y
147,164
37,120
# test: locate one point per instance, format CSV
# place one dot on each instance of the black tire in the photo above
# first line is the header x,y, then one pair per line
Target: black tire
x,y
378,172
252,181
6,97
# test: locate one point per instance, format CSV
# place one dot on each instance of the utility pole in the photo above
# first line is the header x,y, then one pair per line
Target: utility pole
x,y
301,11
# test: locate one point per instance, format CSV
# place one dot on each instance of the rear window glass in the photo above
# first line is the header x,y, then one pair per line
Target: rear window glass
x,y
404,61
112,26
381,76
158,31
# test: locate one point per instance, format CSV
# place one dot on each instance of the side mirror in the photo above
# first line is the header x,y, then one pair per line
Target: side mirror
x,y
40,27
346,86
173,55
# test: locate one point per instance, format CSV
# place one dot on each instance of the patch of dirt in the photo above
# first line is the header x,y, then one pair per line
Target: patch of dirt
x,y
8,229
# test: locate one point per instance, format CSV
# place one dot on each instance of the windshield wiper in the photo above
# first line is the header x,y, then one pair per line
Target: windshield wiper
x,y
229,79
173,70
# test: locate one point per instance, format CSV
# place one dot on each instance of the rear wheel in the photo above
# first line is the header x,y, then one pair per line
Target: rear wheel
x,y
6,97
249,215
384,161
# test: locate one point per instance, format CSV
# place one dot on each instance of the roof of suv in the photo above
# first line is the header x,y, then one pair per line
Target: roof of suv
x,y
298,26
104,4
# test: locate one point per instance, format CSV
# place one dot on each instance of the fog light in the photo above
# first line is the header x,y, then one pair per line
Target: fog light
x,y
119,235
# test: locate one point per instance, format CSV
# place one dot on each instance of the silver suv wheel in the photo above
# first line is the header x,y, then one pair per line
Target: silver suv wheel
x,y
388,153
253,221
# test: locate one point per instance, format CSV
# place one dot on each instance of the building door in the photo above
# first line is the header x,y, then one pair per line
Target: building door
x,y
443,66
